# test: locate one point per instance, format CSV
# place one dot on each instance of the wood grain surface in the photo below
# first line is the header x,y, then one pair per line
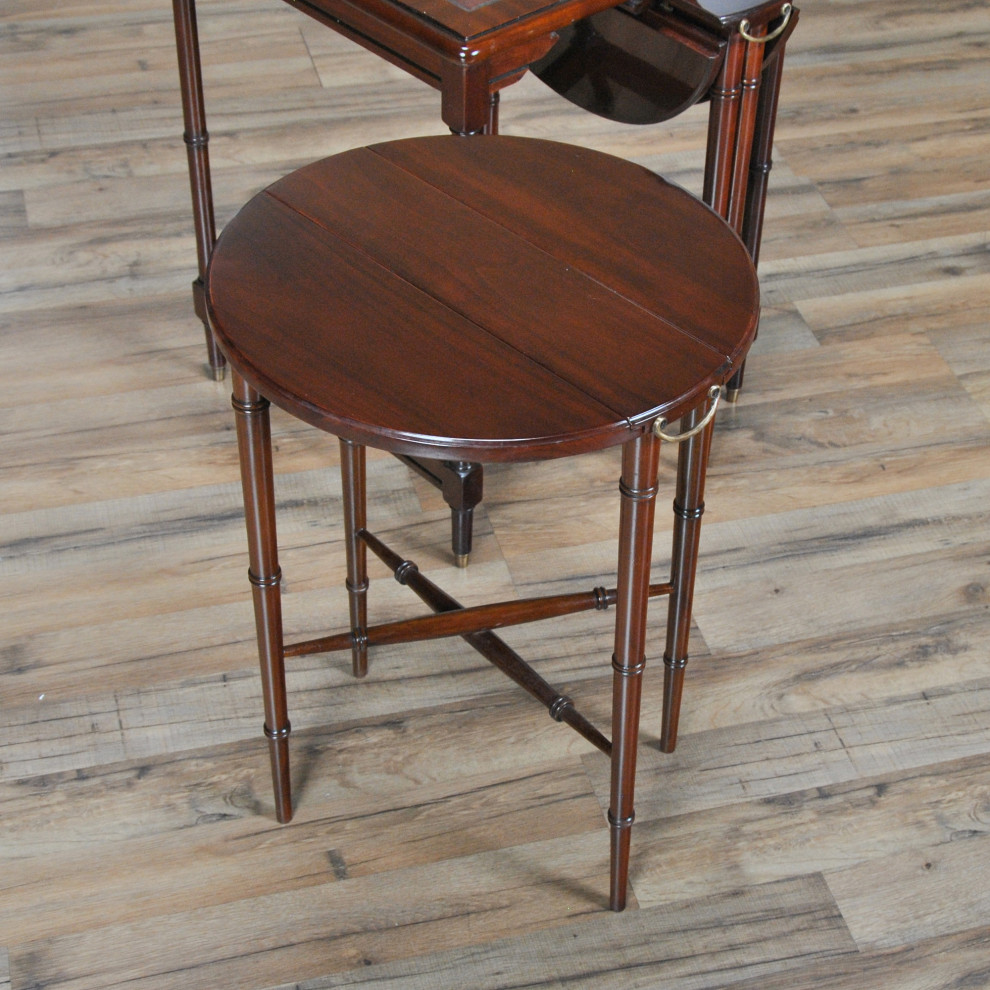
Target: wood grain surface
x,y
825,821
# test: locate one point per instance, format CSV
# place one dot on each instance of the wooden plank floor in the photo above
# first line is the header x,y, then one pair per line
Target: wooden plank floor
x,y
825,822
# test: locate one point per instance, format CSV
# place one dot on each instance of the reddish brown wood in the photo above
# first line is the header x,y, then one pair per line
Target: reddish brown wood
x,y
689,507
353,483
490,646
467,51
400,254
638,488
465,97
749,103
197,151
470,51
463,32
521,210
761,162
257,478
535,314
498,615
462,484
722,128
643,63
728,14
638,67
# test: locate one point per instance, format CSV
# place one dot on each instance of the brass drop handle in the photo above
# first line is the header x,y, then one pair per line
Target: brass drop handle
x,y
744,26
714,394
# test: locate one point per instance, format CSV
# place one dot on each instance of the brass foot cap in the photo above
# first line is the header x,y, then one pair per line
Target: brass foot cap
x,y
217,374
731,394
461,559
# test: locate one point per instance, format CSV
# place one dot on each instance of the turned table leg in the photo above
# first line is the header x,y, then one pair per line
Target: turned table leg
x,y
352,473
197,142
255,448
689,506
723,118
638,488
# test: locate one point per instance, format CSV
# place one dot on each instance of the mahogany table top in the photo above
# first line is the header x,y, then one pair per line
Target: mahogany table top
x,y
473,19
485,298
461,21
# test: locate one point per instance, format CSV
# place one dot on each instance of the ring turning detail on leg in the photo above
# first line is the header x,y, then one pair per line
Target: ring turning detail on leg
x,y
481,300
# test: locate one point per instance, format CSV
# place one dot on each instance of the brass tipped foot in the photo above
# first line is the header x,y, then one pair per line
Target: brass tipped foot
x,y
217,374
461,559
731,394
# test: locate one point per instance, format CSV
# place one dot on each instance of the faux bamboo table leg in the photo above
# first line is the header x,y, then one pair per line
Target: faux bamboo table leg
x,y
197,149
353,477
640,465
257,478
723,119
734,120
761,162
748,108
689,506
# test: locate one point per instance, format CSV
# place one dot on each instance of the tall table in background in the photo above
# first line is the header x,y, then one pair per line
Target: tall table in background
x,y
642,62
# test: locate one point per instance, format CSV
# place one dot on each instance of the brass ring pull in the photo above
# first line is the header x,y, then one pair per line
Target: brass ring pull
x,y
714,394
744,25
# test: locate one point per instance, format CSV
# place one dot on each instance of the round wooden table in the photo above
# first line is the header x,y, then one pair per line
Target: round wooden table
x,y
485,299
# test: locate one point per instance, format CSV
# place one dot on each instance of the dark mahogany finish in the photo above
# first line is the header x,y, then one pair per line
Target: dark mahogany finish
x,y
496,299
642,63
